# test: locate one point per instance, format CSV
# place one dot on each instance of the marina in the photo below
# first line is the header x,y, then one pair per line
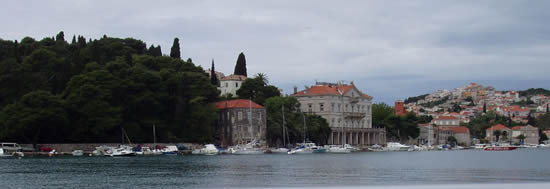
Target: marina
x,y
272,170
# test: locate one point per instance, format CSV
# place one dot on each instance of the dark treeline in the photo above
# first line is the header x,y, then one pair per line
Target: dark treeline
x,y
91,90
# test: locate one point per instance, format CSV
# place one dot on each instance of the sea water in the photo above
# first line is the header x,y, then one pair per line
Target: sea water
x,y
372,169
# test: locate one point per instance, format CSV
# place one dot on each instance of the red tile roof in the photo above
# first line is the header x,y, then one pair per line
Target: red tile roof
x,y
239,103
519,127
456,129
498,127
446,118
327,90
234,77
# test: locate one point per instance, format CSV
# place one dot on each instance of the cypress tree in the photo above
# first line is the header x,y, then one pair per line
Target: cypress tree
x,y
73,42
158,51
240,67
175,50
60,36
484,108
547,108
213,77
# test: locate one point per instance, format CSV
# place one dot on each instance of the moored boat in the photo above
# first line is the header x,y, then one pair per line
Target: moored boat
x,y
395,146
78,153
208,149
10,149
499,148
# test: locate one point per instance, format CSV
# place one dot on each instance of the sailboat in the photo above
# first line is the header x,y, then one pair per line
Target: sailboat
x,y
282,149
306,147
340,149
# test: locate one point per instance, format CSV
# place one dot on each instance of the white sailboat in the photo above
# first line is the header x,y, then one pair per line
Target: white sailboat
x,y
281,149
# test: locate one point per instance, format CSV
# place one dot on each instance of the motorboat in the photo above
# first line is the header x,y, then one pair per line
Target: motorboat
x,y
209,149
480,146
339,150
170,150
499,148
10,149
395,146
376,148
78,153
122,150
307,148
279,150
241,150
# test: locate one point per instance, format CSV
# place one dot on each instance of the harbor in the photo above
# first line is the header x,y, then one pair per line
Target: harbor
x,y
278,170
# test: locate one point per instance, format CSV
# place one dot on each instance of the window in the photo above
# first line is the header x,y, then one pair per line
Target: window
x,y
237,84
310,108
332,105
346,108
339,107
240,116
321,107
226,84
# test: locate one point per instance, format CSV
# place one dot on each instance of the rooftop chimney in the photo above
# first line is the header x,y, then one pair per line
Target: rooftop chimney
x,y
295,90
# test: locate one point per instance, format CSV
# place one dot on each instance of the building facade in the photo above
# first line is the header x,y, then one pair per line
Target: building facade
x,y
347,110
240,121
231,83
531,134
504,136
400,108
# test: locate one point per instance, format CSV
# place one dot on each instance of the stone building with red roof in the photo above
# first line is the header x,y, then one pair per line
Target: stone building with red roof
x,y
461,133
347,110
240,121
490,133
531,134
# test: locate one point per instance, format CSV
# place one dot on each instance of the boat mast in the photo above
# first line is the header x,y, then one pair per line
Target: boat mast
x,y
154,135
343,118
304,127
284,140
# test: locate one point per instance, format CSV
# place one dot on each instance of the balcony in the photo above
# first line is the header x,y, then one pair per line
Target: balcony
x,y
354,114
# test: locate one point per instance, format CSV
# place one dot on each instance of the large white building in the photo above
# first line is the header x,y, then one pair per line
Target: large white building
x,y
230,84
347,110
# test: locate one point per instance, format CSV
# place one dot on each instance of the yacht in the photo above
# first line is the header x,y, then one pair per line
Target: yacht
x,y
10,149
395,146
78,153
339,150
170,150
279,150
208,149
376,148
122,150
307,148
247,149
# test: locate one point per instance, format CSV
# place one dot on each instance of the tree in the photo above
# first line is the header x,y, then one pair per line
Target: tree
x,y
504,135
380,112
240,67
316,128
543,121
451,140
543,137
484,108
175,50
547,108
257,89
60,36
530,119
521,138
497,134
213,77
38,116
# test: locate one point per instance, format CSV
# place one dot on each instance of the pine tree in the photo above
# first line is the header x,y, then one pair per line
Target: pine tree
x,y
158,51
73,42
240,67
213,77
175,50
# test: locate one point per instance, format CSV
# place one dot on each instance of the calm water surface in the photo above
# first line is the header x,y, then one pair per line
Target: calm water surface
x,y
270,170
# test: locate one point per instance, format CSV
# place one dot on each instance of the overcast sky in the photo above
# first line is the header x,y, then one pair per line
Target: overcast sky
x,y
390,49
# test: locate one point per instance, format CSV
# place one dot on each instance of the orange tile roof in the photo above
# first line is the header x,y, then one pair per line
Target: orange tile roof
x,y
456,129
327,90
239,103
446,118
234,77
498,127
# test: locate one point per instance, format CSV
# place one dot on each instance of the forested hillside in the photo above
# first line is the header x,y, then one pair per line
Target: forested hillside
x,y
91,90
